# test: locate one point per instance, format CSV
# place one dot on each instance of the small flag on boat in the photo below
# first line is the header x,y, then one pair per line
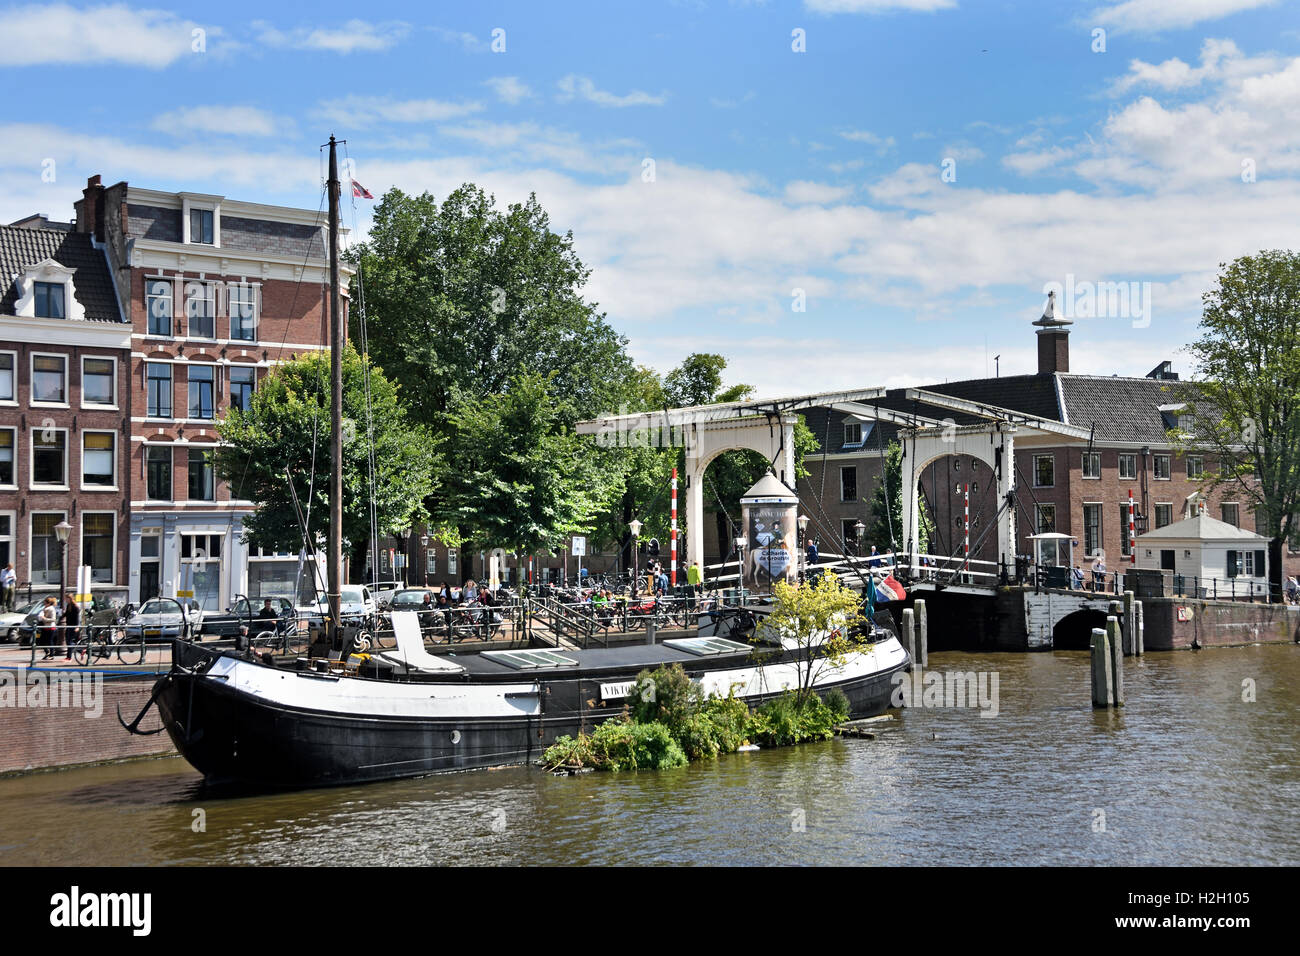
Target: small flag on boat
x,y
889,590
360,192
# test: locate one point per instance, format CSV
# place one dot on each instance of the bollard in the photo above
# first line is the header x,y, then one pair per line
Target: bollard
x,y
1139,633
1101,672
1130,625
650,629
909,636
1116,660
922,632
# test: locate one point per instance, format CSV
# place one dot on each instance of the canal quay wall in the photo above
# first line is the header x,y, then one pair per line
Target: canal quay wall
x,y
64,724
1022,619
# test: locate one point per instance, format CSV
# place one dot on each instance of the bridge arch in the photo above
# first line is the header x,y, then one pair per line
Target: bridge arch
x,y
1073,632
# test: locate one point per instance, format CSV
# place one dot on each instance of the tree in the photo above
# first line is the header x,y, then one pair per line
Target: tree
x,y
1248,379
517,478
887,509
285,436
461,298
821,620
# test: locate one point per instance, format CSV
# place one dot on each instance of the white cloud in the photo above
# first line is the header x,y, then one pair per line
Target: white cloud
x,y
582,87
62,34
467,41
222,120
355,36
509,89
878,6
1221,60
1028,163
1149,16
357,110
882,144
803,192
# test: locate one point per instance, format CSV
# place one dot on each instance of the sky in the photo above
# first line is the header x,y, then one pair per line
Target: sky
x,y
830,193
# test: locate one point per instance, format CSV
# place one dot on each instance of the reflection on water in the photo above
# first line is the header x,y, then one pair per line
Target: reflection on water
x,y
1187,773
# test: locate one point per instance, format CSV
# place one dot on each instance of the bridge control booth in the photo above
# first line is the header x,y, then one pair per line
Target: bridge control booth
x,y
1053,557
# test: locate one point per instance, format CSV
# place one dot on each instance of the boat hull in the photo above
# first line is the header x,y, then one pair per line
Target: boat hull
x,y
234,736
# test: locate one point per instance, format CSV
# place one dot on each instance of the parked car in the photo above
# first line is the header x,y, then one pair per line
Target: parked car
x,y
412,599
242,612
357,606
161,618
11,621
385,591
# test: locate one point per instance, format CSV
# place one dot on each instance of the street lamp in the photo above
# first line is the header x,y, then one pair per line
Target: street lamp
x,y
635,527
424,544
860,530
61,531
803,536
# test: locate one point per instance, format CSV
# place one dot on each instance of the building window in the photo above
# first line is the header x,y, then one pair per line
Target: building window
x,y
50,379
1231,513
6,538
849,483
431,561
46,563
49,300
452,559
158,300
243,312
1123,528
7,365
1195,466
160,389
98,459
1091,529
1044,471
8,438
98,381
200,310
202,553
853,433
50,457
242,381
1161,463
97,532
1092,464
1164,515
1045,518
202,485
158,472
202,391
201,226
1128,466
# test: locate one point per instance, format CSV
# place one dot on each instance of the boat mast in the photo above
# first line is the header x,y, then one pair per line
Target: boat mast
x,y
334,558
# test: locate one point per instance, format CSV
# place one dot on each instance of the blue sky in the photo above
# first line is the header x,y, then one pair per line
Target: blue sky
x,y
779,176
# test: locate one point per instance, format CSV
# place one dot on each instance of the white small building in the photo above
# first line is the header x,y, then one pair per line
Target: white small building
x,y
1207,558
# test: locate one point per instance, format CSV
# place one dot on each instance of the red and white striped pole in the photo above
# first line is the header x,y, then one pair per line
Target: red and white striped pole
x,y
673,574
1132,537
965,548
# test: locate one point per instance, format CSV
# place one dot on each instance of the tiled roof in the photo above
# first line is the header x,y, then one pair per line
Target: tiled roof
x,y
1204,528
22,247
1123,409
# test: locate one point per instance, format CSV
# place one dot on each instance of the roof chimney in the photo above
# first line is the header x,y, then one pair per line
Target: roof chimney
x,y
1053,339
90,211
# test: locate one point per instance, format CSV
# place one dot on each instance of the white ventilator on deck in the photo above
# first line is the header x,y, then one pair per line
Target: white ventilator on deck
x,y
410,647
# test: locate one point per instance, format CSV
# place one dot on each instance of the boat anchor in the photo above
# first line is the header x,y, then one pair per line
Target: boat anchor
x,y
133,726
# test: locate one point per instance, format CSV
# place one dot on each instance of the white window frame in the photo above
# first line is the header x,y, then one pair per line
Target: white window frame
x,y
216,390
1083,464
1035,470
67,383
31,541
1101,526
1200,466
190,449
11,537
430,560
854,442
171,450
12,486
210,205
230,381
95,405
1038,516
13,355
148,307
210,296
1155,467
1132,459
453,561
255,289
98,431
31,461
1230,504
1156,513
81,543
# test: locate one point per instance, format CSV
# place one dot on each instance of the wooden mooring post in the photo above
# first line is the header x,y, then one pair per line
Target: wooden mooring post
x,y
909,636
922,633
1130,624
1102,693
1115,640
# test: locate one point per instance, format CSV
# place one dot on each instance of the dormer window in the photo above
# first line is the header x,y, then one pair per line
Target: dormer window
x,y
201,226
49,300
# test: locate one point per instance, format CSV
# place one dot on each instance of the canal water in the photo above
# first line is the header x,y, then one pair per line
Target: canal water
x,y
1188,773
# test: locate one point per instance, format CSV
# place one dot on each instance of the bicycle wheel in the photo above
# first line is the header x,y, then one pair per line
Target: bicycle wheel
x,y
130,650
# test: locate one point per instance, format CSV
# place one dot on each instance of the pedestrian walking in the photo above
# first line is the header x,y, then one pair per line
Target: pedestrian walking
x,y
8,583
47,622
71,625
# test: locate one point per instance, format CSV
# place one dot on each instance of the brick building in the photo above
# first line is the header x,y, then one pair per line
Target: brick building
x,y
64,408
216,291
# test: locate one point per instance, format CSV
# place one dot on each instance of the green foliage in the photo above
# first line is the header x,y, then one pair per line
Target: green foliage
x,y
838,703
1248,377
886,531
792,718
823,615
618,744
666,694
287,428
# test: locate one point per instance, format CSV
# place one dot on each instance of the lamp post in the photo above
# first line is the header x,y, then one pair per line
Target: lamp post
x,y
61,531
635,527
424,544
803,536
740,569
860,530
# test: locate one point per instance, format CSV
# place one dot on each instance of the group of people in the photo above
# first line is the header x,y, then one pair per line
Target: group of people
x,y
58,626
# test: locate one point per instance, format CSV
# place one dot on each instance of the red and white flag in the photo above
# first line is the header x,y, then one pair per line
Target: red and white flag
x,y
360,192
